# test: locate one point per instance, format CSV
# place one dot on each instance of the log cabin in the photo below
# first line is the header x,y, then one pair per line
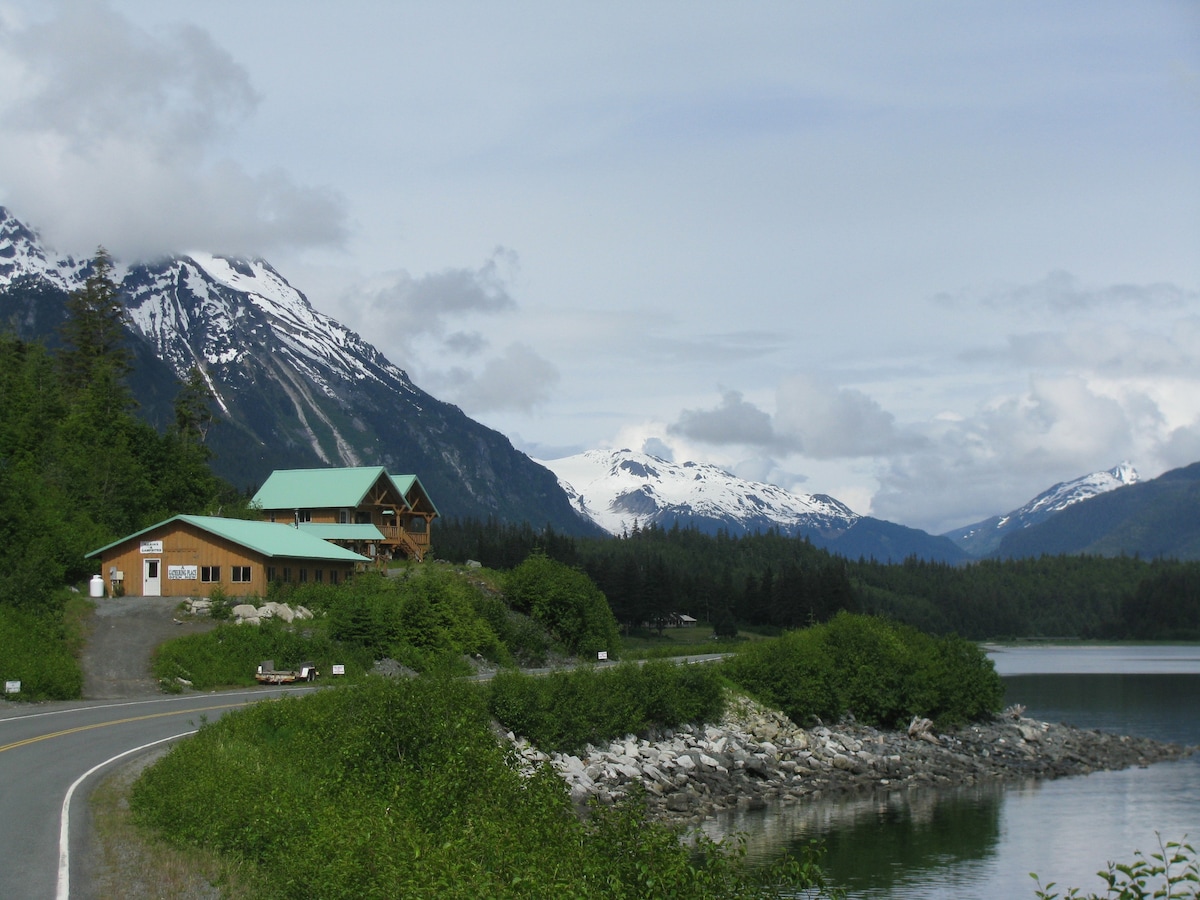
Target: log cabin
x,y
363,509
189,556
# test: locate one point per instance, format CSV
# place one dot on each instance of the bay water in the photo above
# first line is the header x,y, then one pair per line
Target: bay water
x,y
983,841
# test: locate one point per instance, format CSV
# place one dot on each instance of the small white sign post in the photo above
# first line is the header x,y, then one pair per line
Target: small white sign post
x,y
12,687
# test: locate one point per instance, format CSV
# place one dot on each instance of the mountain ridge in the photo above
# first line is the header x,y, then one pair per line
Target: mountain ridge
x,y
292,387
984,538
623,489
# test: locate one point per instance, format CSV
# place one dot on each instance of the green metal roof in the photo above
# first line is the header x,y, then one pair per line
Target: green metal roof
x,y
406,482
271,539
329,531
320,488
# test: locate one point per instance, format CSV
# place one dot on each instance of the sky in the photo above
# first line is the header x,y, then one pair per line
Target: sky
x,y
929,258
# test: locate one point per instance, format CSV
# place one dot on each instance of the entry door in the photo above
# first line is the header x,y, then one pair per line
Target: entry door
x,y
151,578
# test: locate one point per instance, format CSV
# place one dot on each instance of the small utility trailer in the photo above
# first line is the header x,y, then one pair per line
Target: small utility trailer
x,y
268,674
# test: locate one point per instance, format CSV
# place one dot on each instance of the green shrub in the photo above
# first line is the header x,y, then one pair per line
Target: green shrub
x,y
1173,873
881,672
400,790
566,602
35,650
567,710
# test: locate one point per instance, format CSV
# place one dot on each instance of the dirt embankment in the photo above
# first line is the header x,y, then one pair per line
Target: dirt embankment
x,y
120,644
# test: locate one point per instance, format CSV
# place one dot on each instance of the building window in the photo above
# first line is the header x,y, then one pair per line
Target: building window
x,y
210,573
270,573
343,517
304,576
240,574
333,576
362,517
287,574
318,575
272,515
304,515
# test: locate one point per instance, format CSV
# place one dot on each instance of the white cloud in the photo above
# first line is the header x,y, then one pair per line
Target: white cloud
x,y
107,133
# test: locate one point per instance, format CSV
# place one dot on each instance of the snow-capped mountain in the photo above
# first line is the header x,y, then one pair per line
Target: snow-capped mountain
x,y
292,387
618,488
982,538
22,255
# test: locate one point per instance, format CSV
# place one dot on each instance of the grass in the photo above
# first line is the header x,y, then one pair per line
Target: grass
x,y
130,863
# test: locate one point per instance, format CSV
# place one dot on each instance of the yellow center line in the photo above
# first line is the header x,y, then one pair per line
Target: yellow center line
x,y
79,728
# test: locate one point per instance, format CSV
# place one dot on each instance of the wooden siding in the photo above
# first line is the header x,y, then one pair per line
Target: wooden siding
x,y
186,546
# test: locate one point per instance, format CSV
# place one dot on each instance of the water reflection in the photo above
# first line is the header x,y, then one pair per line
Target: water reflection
x,y
908,832
981,842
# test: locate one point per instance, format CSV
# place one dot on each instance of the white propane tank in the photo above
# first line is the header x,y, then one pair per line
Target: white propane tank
x,y
96,587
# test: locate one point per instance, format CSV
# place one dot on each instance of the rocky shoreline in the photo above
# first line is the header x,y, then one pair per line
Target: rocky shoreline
x,y
756,756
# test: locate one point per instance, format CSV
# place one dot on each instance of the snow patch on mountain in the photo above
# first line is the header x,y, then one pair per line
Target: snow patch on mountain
x,y
981,538
620,488
22,254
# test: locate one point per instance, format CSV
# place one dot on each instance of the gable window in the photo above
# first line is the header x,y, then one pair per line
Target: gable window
x,y
240,574
210,573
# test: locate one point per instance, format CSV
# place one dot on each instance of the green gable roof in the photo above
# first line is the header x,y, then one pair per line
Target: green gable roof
x,y
406,482
268,538
320,488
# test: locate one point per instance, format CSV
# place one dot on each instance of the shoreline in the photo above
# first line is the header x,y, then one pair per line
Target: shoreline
x,y
756,756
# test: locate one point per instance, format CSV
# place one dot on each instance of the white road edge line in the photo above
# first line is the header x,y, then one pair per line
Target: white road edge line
x,y
64,828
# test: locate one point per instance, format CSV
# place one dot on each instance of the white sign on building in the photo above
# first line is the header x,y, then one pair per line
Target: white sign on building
x,y
152,547
182,573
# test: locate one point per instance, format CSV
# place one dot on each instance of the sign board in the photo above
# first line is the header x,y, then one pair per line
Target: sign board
x,y
182,573
339,669
12,687
152,547
603,654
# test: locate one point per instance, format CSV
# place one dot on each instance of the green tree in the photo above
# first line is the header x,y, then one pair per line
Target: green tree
x,y
566,602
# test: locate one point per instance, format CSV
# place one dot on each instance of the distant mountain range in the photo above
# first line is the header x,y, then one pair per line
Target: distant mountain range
x,y
624,489
294,388
985,538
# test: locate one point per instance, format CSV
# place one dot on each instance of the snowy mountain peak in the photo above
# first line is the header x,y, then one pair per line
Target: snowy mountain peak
x,y
620,488
983,537
23,254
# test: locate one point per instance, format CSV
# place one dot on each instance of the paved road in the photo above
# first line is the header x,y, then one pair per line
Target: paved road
x,y
44,749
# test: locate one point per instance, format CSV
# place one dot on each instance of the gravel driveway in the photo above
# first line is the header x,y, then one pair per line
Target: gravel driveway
x,y
122,635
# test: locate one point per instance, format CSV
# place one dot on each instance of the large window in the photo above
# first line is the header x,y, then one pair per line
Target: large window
x,y
333,576
240,574
210,573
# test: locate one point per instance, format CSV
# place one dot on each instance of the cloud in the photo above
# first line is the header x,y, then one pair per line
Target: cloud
x,y
403,308
107,134
733,422
441,328
517,379
826,422
1061,292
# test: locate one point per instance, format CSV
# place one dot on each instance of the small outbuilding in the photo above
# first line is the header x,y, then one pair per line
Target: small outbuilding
x,y
189,556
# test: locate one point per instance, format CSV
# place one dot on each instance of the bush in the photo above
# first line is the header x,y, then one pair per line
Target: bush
x,y
566,602
400,790
881,672
567,710
35,650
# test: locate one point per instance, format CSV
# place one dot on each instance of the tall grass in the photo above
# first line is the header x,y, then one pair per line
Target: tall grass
x,y
400,789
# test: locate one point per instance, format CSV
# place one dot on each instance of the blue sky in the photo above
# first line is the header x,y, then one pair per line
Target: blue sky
x,y
928,258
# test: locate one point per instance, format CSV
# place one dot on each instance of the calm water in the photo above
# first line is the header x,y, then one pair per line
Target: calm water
x,y
983,842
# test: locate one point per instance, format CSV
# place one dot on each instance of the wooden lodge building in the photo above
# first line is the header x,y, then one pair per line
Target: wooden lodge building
x,y
318,525
364,509
189,556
